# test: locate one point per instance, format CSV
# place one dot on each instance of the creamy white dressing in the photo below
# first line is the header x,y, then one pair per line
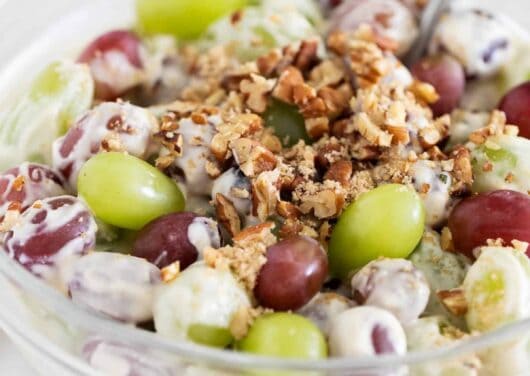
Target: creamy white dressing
x,y
436,199
60,263
351,332
199,295
479,40
195,153
224,184
203,233
36,186
117,285
114,69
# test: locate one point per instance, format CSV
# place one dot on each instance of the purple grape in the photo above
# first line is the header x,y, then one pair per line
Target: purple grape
x,y
176,237
26,184
448,78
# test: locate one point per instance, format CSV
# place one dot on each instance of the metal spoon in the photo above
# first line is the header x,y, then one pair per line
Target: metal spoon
x,y
429,19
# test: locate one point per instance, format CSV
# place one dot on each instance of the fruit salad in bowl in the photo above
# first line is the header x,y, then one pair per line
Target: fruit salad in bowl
x,y
233,187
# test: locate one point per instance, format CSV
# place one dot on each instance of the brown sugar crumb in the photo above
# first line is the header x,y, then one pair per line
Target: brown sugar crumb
x,y
509,177
246,257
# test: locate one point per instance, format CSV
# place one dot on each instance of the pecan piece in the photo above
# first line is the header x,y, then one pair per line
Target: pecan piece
x,y
340,171
252,157
454,300
227,214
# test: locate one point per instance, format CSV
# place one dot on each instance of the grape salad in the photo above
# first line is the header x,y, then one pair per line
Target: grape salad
x,y
270,178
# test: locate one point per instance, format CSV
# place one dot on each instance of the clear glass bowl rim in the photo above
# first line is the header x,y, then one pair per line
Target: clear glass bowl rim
x,y
80,317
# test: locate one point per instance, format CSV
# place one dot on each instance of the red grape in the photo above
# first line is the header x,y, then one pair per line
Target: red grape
x,y
115,62
295,270
26,184
176,237
500,214
381,340
49,231
448,78
107,127
516,105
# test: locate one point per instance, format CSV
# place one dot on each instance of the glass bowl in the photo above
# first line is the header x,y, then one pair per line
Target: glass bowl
x,y
50,330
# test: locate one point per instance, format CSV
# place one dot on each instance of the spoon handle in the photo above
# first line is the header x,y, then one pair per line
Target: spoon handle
x,y
429,19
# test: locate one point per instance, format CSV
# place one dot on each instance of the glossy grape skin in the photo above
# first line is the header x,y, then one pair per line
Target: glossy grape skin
x,y
186,19
28,183
500,214
51,234
301,265
387,221
169,238
448,78
287,122
284,335
516,105
127,192
115,62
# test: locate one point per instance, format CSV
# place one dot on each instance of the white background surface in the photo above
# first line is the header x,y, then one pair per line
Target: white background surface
x,y
12,363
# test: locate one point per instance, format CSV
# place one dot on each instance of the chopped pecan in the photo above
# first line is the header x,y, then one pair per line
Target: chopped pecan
x,y
307,55
265,194
267,63
288,80
370,131
336,101
287,209
454,300
424,92
340,171
252,157
325,203
462,170
227,214
260,233
317,127
327,73
255,90
290,228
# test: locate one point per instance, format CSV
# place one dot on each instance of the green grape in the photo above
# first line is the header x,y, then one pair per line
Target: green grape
x,y
284,335
271,24
210,335
59,94
387,221
507,161
493,288
287,122
186,19
127,192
